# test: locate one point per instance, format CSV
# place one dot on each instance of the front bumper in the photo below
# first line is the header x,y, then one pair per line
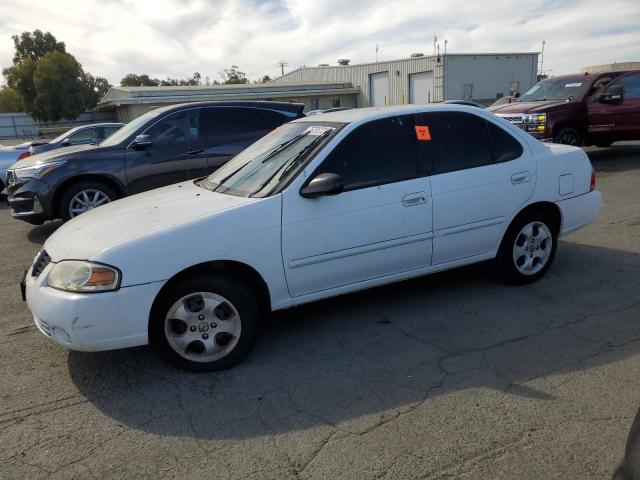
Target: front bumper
x,y
91,321
30,200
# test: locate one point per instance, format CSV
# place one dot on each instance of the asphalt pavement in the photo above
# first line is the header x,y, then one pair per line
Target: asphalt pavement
x,y
453,375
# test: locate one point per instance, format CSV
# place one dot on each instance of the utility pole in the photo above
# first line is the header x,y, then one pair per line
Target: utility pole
x,y
435,41
376,53
542,58
282,64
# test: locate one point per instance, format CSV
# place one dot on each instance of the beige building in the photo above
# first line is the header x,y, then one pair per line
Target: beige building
x,y
127,103
481,77
612,67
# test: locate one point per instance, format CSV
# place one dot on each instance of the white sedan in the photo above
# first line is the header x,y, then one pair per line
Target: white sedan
x,y
320,207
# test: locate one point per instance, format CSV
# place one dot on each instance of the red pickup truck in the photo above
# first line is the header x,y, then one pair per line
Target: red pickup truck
x,y
582,109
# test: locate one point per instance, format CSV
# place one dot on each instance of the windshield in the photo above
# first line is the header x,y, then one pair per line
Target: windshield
x,y
130,128
271,161
556,89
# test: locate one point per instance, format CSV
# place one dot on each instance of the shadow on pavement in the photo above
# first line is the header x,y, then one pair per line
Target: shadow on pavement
x,y
360,359
39,234
618,158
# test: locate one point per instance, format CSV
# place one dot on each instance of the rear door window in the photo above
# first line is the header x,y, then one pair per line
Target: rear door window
x,y
458,141
273,119
227,125
631,85
504,146
376,153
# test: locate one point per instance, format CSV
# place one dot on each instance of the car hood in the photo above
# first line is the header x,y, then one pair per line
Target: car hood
x,y
526,107
53,155
137,216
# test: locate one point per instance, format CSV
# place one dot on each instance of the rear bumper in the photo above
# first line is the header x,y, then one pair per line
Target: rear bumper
x,y
580,211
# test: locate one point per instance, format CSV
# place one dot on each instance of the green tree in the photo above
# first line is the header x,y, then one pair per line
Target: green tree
x,y
264,79
133,80
20,78
35,45
10,100
61,91
93,89
233,75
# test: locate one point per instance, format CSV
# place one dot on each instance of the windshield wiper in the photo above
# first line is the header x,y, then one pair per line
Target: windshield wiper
x,y
284,145
301,153
292,161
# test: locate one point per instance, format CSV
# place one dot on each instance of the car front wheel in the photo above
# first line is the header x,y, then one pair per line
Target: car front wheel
x,y
84,196
568,136
206,323
528,248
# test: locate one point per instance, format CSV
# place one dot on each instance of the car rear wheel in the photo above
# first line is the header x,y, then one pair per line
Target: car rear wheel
x,y
206,323
84,196
568,136
528,248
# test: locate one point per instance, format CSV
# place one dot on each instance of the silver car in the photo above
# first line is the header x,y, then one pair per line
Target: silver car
x,y
81,135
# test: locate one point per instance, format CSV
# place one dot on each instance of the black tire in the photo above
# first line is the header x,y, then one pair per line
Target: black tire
x,y
73,190
568,136
505,263
224,284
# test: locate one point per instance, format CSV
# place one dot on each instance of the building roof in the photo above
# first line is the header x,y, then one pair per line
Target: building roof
x,y
255,91
409,59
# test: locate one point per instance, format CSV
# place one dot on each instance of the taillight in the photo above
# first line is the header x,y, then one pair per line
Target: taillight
x,y
25,155
593,180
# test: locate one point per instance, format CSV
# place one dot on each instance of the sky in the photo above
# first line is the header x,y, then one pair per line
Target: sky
x,y
171,38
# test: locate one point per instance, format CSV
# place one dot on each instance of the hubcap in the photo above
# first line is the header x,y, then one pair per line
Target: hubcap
x,y
87,200
202,327
532,248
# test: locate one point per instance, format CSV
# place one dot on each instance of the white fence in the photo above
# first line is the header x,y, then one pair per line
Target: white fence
x,y
21,125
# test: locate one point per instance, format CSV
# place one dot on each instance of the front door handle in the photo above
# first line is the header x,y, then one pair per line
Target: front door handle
x,y
414,199
520,177
195,152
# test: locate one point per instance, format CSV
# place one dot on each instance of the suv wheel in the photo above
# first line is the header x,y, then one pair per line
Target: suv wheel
x,y
528,248
84,196
568,136
205,323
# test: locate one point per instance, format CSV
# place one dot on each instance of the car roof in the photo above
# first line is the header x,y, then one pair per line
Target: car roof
x,y
281,106
361,115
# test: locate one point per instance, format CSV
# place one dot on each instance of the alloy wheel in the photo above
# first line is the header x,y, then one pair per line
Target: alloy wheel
x,y
532,248
87,200
202,327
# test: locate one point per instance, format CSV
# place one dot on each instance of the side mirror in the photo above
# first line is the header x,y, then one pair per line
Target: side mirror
x,y
141,142
323,185
613,94
66,142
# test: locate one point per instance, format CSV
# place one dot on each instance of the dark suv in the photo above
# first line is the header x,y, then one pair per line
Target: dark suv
x,y
164,146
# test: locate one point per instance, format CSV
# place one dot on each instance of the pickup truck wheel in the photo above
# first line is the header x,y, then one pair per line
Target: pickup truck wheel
x,y
205,323
84,196
568,136
528,248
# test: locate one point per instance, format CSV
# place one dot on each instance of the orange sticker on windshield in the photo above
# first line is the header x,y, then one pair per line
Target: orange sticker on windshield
x,y
422,133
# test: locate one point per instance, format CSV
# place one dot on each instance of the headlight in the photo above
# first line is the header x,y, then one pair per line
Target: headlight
x,y
79,276
37,171
536,118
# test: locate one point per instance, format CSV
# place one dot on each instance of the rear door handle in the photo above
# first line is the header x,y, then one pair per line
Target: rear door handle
x,y
520,177
414,199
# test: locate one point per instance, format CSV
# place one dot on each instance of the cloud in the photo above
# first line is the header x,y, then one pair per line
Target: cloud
x,y
176,38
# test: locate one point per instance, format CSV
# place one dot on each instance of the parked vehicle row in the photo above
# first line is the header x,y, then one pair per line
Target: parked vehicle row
x,y
585,109
319,207
164,146
81,135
